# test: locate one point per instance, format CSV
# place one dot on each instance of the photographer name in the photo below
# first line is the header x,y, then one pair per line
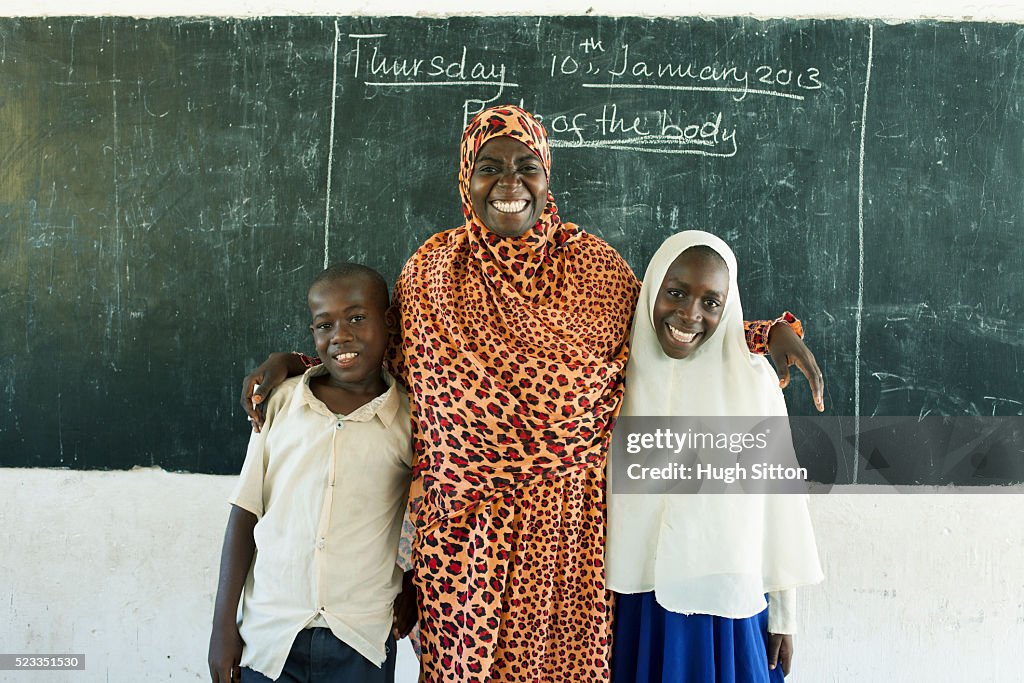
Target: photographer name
x,y
726,475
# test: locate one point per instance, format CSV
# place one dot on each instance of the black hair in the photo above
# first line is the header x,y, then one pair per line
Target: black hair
x,y
343,271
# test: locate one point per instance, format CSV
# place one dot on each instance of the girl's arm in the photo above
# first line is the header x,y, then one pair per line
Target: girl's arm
x,y
781,627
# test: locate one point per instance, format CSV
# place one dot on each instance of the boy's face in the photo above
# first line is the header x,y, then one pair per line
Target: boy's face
x,y
689,304
351,324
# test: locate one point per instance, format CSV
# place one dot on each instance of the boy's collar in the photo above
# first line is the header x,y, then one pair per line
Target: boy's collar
x,y
386,411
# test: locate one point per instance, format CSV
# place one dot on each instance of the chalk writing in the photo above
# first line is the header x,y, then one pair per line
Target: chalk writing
x,y
1008,406
660,128
642,73
658,132
387,71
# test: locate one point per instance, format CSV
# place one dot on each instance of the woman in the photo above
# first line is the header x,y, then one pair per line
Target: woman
x,y
512,344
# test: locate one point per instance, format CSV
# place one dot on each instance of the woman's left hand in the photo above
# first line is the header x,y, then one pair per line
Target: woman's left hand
x,y
780,650
405,610
787,348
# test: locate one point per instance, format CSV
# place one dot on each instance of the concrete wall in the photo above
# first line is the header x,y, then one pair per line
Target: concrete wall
x,y
993,10
122,566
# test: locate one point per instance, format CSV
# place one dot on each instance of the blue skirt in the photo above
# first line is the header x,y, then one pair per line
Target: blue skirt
x,y
654,645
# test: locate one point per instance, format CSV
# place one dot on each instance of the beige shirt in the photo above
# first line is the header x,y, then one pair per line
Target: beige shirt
x,y
329,492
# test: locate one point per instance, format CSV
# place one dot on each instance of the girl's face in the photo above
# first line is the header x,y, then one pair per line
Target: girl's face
x,y
689,304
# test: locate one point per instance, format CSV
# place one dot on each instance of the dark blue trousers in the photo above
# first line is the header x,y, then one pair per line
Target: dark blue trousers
x,y
317,656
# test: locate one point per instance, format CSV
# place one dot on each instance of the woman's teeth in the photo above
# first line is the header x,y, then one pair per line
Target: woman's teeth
x,y
510,207
680,336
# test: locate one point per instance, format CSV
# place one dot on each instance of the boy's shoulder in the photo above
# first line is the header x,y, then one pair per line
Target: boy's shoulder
x,y
282,394
403,398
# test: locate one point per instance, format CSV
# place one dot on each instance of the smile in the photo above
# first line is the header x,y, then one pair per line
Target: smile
x,y
345,358
680,336
510,207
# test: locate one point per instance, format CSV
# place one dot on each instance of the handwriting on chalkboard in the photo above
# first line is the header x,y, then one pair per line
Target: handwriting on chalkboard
x,y
657,126
763,79
661,132
371,63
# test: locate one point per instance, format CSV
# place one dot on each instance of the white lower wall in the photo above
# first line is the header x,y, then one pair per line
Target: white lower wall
x,y
988,10
122,566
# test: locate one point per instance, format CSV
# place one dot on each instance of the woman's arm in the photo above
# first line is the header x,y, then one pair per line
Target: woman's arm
x,y
782,339
258,384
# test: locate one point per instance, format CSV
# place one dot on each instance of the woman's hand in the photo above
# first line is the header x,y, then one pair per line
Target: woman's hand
x,y
780,649
406,613
258,384
787,348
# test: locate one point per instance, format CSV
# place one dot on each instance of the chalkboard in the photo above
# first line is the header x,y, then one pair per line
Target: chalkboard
x,y
168,188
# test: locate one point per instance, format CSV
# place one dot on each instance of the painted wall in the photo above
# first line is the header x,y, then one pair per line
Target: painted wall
x,y
994,10
122,566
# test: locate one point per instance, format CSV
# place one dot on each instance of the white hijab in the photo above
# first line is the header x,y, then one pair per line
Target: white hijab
x,y
705,553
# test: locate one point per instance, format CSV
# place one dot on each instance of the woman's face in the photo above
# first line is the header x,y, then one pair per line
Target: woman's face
x,y
508,187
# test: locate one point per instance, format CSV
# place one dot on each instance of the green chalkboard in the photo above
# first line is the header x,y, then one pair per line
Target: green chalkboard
x,y
168,188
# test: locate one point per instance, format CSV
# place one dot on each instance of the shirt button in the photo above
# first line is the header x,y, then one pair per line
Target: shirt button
x,y
341,425
320,544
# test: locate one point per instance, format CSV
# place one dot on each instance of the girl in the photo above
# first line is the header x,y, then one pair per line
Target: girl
x,y
692,570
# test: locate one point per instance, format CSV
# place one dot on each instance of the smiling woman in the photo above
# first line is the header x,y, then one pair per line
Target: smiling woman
x,y
509,187
513,330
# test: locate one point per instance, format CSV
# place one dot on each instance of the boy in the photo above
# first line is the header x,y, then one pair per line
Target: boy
x,y
320,503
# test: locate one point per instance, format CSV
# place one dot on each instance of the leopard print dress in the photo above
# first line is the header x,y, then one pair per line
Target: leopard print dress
x,y
513,351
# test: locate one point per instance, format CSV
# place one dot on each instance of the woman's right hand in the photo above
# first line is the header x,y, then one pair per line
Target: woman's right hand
x,y
258,384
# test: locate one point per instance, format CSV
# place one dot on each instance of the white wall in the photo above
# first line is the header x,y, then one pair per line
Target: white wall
x,y
994,10
122,566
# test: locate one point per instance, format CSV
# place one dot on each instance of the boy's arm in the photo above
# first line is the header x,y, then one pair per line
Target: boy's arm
x,y
235,560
